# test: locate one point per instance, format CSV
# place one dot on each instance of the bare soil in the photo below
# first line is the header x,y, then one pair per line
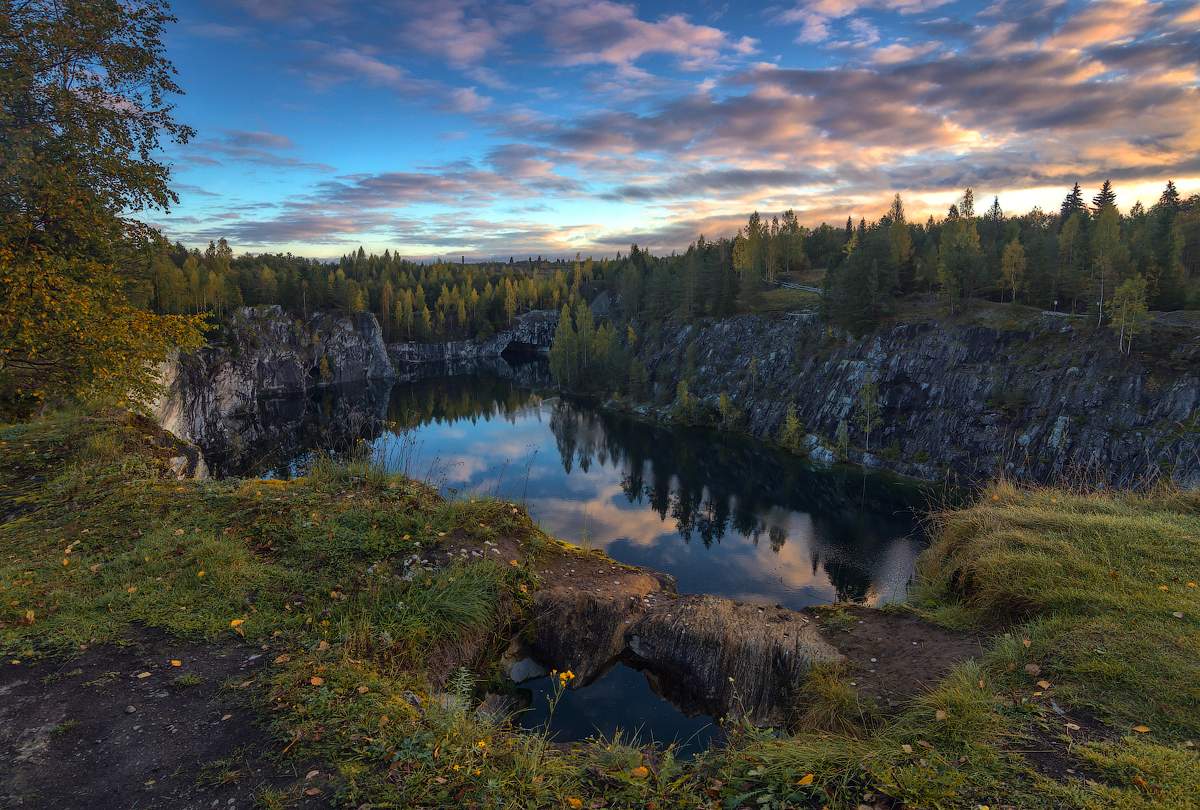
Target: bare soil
x,y
893,655
92,730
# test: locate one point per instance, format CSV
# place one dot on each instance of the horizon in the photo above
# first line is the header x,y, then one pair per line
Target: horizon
x,y
555,127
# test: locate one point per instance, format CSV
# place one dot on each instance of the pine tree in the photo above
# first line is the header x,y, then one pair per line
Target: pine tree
x,y
1072,203
1170,197
1105,197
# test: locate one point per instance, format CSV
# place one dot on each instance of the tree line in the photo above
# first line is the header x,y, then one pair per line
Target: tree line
x,y
412,300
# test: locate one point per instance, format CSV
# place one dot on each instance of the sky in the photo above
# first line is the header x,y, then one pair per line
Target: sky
x,y
556,127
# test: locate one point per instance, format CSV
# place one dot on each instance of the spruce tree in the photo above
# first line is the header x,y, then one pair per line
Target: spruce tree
x,y
1106,196
1072,203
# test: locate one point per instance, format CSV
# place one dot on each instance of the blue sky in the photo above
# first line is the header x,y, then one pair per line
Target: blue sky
x,y
564,126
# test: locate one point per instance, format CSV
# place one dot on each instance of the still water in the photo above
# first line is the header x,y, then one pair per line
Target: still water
x,y
724,515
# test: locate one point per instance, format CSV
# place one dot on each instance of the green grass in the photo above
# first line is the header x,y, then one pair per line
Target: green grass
x,y
378,663
1102,587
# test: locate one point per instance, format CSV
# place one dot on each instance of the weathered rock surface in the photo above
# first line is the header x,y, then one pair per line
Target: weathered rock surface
x,y
724,655
261,352
592,612
531,333
1037,403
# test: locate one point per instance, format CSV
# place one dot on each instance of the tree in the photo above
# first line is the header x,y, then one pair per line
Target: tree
x,y
1129,311
841,440
1108,254
1072,204
1012,266
1105,197
867,410
791,434
83,110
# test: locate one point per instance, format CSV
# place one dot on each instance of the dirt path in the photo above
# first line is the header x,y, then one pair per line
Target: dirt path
x,y
96,731
893,655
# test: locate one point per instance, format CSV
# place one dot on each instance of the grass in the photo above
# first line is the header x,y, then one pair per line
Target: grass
x,y
379,659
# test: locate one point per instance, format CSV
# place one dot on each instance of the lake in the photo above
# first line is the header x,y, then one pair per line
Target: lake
x,y
723,514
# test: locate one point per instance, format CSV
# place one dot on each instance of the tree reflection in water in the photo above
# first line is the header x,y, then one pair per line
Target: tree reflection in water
x,y
769,527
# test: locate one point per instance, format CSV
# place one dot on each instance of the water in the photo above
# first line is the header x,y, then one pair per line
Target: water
x,y
724,515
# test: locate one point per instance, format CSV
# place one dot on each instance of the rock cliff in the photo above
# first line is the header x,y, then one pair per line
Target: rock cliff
x,y
261,352
531,334
1040,401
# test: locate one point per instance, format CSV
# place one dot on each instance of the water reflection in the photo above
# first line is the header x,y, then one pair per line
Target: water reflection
x,y
722,514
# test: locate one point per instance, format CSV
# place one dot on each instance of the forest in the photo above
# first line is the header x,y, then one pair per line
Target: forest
x,y
1073,261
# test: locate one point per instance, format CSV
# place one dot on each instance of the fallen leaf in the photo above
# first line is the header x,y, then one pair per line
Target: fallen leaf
x,y
362,690
1163,588
1072,727
574,803
283,659
1191,584
175,662
1044,684
1033,669
316,680
322,646
906,748
1026,642
441,780
1142,729
201,574
940,714
640,772
312,774
807,779
317,791
142,675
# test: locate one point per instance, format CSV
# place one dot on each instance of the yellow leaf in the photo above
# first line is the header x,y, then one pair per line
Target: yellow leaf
x,y
1142,729
807,779
362,690
574,803
316,680
1044,684
142,675
66,562
175,662
201,574
237,622
640,772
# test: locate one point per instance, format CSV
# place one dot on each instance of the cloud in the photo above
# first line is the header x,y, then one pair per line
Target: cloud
x,y
466,100
257,147
573,32
816,17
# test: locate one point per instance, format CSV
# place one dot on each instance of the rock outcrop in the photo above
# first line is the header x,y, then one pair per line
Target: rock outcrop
x,y
531,334
1037,402
704,653
260,352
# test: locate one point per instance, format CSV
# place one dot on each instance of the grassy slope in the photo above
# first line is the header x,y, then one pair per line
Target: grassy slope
x,y
316,569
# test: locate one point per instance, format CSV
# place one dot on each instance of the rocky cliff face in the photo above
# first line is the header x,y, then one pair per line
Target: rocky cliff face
x,y
531,333
262,352
1041,402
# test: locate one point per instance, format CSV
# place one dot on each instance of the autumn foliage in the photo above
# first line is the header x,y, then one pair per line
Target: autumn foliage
x,y
83,88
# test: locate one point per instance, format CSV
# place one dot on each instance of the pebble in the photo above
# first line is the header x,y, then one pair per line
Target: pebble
x,y
130,709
